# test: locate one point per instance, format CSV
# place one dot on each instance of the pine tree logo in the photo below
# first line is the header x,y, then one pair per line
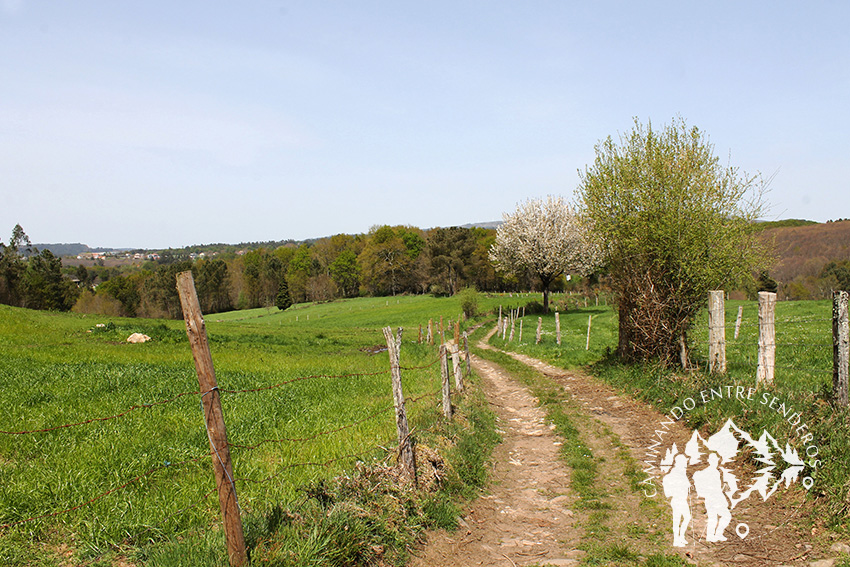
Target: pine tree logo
x,y
704,469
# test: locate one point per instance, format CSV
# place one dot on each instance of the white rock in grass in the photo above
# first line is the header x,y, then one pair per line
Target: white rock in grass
x,y
138,338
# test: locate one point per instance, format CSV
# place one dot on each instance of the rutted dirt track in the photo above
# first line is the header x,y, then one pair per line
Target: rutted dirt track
x,y
530,516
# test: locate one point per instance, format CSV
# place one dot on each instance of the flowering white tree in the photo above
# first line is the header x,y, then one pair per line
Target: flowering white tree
x,y
545,237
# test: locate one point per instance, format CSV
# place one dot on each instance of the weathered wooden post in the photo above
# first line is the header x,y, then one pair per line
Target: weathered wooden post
x,y
840,347
500,320
455,350
466,351
520,332
214,419
738,321
513,329
558,327
767,338
589,321
406,454
716,331
444,374
539,329
430,337
419,341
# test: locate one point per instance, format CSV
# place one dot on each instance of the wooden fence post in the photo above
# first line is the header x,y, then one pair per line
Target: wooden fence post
x,y
716,331
520,332
444,373
214,419
738,321
539,329
455,350
406,454
840,347
767,338
466,351
557,327
589,321
430,331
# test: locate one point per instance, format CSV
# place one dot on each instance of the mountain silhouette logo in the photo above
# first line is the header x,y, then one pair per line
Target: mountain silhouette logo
x,y
704,468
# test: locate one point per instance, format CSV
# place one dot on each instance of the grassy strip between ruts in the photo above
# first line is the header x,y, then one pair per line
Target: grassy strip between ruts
x,y
593,500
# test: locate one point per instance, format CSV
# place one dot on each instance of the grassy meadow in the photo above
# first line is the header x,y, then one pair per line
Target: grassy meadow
x,y
59,369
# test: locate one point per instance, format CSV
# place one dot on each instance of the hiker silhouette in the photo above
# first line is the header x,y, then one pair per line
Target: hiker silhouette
x,y
708,483
676,487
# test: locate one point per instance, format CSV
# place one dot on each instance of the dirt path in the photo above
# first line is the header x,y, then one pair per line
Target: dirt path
x,y
525,517
530,515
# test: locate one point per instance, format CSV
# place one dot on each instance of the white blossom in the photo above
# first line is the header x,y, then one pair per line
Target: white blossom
x,y
545,237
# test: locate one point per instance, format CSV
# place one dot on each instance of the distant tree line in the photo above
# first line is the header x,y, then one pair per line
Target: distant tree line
x,y
31,278
388,260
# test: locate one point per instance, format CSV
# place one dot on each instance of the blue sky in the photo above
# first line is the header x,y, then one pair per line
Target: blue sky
x,y
155,124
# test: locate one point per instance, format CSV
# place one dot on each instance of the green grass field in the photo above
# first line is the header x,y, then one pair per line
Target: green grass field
x,y
59,369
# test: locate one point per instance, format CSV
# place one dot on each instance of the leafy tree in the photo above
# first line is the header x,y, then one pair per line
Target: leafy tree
x,y
841,272
346,273
451,250
298,273
469,301
159,295
672,224
124,290
212,285
386,263
545,238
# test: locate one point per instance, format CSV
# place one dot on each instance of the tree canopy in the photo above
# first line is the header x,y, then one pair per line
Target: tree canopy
x,y
546,238
672,223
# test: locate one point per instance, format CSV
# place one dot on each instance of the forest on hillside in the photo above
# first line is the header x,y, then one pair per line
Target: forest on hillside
x,y
811,260
388,260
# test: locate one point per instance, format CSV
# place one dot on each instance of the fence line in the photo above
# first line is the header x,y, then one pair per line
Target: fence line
x,y
217,447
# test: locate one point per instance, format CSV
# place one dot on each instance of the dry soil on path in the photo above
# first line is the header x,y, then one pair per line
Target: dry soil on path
x,y
530,516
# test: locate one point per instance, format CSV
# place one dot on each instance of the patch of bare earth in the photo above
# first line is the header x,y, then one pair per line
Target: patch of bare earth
x,y
530,516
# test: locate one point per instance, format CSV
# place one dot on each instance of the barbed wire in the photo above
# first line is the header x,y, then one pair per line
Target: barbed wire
x,y
169,465
299,379
315,435
324,464
97,419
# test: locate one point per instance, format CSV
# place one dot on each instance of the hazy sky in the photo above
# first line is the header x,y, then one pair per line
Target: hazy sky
x,y
154,124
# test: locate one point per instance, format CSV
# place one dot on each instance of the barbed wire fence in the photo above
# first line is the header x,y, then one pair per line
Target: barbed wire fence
x,y
227,480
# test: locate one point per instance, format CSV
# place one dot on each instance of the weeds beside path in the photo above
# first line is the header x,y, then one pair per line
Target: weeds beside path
x,y
566,489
